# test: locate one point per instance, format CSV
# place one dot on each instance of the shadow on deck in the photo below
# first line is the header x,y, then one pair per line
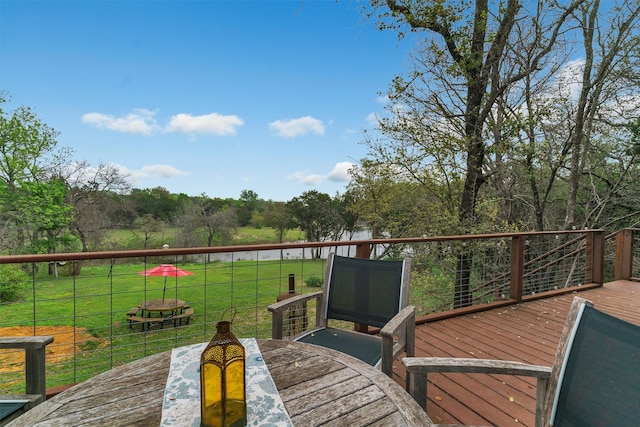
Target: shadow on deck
x,y
526,332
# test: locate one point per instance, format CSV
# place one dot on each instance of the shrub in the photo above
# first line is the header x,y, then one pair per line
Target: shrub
x,y
314,281
12,281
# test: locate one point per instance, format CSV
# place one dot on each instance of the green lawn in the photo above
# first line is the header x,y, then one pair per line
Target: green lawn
x,y
124,238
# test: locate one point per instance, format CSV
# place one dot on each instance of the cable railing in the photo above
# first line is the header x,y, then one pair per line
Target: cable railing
x,y
86,300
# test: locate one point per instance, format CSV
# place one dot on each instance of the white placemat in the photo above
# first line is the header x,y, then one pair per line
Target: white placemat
x,y
181,405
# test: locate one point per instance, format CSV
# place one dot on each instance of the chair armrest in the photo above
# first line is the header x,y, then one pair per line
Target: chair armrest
x,y
398,321
419,367
403,324
277,309
424,365
35,371
280,306
31,342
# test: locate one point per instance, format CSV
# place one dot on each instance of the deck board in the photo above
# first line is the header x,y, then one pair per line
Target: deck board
x,y
527,332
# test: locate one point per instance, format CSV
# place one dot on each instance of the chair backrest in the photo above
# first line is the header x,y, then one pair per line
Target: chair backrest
x,y
364,291
599,378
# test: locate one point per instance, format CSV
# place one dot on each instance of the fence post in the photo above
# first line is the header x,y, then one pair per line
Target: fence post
x,y
594,268
624,255
363,251
517,267
294,318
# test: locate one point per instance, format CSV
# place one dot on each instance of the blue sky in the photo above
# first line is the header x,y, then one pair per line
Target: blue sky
x,y
203,96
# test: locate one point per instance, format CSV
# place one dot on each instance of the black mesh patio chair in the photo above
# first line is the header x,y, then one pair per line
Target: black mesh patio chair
x,y
365,292
594,381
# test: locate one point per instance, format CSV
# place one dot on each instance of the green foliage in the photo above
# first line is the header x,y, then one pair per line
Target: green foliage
x,y
32,205
157,202
149,229
318,215
314,281
12,281
256,220
45,212
247,205
277,216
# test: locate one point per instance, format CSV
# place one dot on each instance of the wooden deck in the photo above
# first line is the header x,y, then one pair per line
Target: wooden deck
x,y
527,332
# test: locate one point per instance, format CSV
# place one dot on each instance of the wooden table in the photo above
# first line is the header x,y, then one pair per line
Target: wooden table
x,y
167,305
317,385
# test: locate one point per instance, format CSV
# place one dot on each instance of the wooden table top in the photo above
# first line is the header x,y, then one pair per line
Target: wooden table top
x,y
167,304
318,386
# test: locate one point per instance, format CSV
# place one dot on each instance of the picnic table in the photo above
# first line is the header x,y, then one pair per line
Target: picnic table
x,y
159,311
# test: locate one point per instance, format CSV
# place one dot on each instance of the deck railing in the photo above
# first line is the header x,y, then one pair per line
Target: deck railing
x,y
83,298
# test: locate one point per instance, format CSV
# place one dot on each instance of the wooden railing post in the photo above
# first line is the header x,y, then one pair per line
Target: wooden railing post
x,y
624,255
363,251
517,267
594,268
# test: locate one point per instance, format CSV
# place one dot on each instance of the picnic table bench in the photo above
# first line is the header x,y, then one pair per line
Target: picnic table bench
x,y
184,315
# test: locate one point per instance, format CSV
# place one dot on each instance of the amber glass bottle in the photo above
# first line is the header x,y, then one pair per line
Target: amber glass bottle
x,y
222,381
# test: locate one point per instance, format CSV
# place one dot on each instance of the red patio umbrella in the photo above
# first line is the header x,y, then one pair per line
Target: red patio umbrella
x,y
166,270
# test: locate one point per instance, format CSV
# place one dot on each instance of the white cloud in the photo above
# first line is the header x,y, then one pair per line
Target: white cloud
x,y
297,127
340,173
150,171
163,171
307,179
140,121
213,123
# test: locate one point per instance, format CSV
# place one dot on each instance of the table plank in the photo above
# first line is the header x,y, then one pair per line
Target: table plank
x,y
320,386
127,395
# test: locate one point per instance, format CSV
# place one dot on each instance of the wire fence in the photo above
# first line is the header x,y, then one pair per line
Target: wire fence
x,y
91,302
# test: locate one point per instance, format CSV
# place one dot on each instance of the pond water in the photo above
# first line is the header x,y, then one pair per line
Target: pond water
x,y
292,253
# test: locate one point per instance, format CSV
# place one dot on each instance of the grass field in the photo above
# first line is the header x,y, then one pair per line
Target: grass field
x,y
130,239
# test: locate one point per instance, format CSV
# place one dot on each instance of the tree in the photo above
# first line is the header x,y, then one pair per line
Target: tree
x,y
220,224
149,226
279,218
190,223
96,196
609,72
208,217
463,73
248,204
158,202
27,145
44,212
393,203
463,70
316,215
563,131
28,192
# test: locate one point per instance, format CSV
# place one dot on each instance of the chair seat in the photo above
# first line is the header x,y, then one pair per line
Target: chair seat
x,y
12,406
367,348
8,407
